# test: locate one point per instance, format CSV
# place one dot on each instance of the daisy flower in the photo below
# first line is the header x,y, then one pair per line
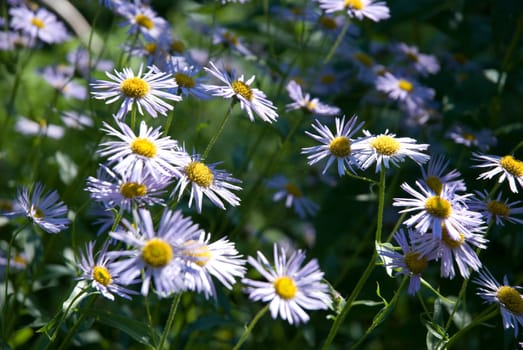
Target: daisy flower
x,y
507,167
496,209
99,273
293,195
508,298
290,288
251,99
147,150
205,179
376,11
423,64
386,148
60,78
205,260
75,120
435,175
403,89
305,102
482,139
155,252
435,210
143,19
186,79
124,191
410,262
229,40
461,252
46,210
338,147
27,126
146,92
40,24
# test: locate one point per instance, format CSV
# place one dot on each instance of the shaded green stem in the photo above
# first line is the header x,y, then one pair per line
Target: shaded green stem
x,y
487,314
338,40
170,320
250,327
77,324
220,129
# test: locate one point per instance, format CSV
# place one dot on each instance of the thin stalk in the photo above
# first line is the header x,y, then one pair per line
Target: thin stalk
x,y
338,40
77,324
170,320
490,312
250,327
220,129
381,205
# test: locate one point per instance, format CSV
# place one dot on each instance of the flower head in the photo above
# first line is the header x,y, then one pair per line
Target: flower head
x,y
387,148
46,210
507,167
205,179
337,147
40,24
305,102
145,92
496,209
252,100
290,288
508,298
293,196
99,273
376,11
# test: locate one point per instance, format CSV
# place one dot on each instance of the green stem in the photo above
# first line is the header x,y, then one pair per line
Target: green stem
x,y
220,129
381,205
383,314
350,301
77,324
170,320
251,325
133,117
490,312
338,40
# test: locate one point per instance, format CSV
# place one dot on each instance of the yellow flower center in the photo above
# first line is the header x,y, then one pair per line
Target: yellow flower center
x,y
285,287
20,260
412,56
328,79
133,189
184,80
354,4
242,89
340,146
144,21
364,59
37,213
435,184
38,23
310,106
449,241
143,147
415,263
385,145
150,48
405,85
157,252
202,253
328,22
177,46
468,136
101,275
293,190
512,165
296,11
438,207
498,208
199,173
230,38
510,299
135,87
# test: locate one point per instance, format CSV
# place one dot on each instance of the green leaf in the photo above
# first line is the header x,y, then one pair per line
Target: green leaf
x,y
20,337
139,331
68,170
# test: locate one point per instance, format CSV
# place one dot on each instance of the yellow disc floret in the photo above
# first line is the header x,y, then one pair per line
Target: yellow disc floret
x,y
498,208
101,275
415,263
511,299
293,190
340,146
38,23
184,80
512,165
435,184
438,207
449,241
143,147
201,252
157,252
386,145
135,87
199,173
405,85
144,21
242,89
353,4
285,287
133,189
